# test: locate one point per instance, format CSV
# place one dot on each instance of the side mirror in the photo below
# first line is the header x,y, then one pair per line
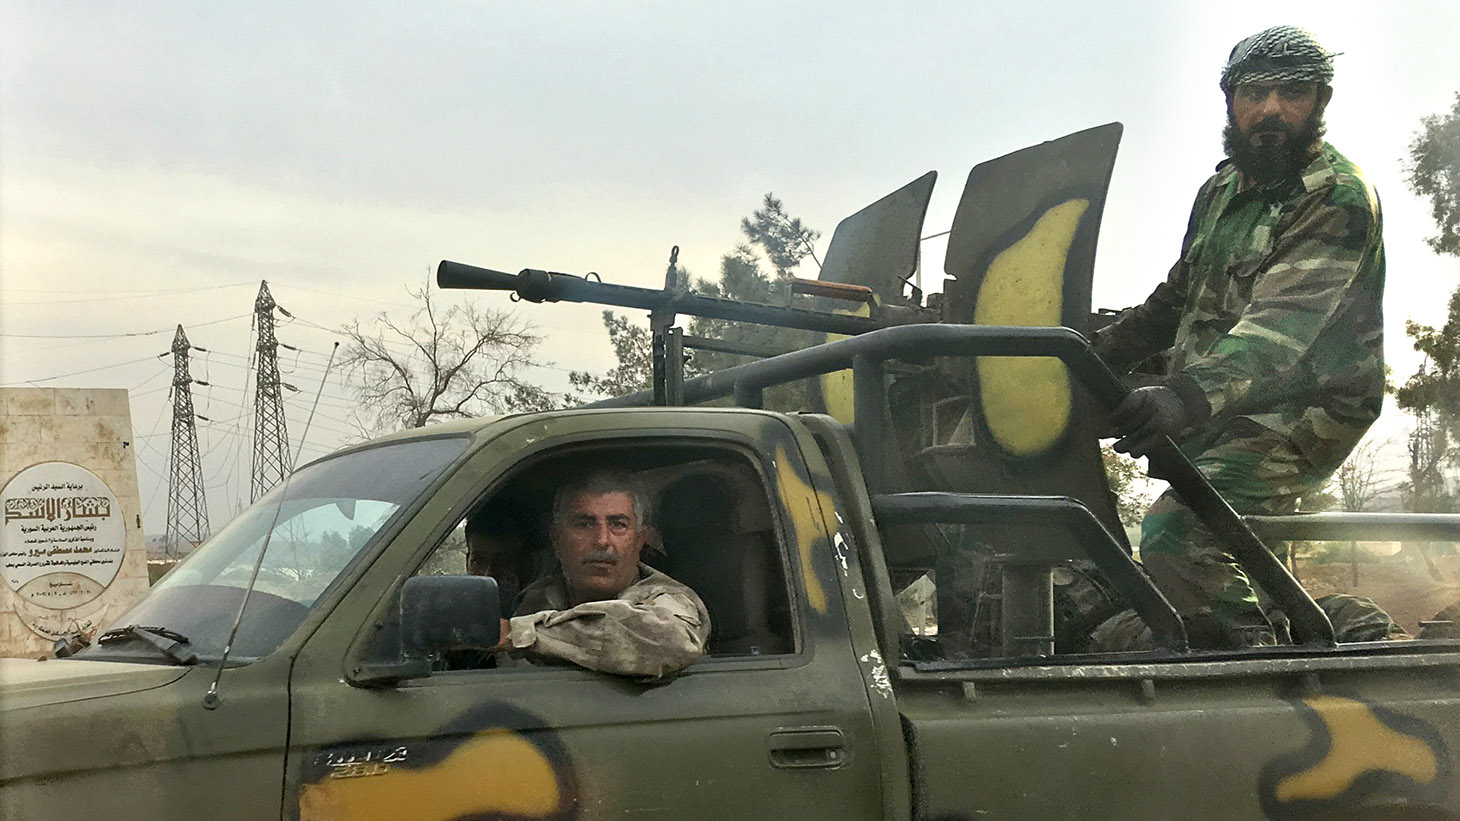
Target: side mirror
x,y
439,613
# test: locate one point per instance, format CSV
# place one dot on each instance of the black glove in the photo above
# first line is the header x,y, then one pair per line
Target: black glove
x,y
1146,415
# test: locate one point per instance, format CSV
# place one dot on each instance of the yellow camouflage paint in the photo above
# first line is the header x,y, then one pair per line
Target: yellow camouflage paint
x,y
836,387
1026,401
804,504
1359,743
497,772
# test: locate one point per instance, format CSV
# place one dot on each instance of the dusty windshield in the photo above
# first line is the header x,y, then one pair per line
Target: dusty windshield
x,y
309,531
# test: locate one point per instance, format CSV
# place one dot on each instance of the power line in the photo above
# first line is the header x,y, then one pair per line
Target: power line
x,y
109,296
149,393
343,404
315,407
156,423
407,346
317,450
160,372
253,327
335,401
411,350
51,346
366,300
231,427
346,402
336,431
127,290
94,370
305,368
234,439
116,336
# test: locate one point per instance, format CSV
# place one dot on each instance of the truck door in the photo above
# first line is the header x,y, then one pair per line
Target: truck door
x,y
774,722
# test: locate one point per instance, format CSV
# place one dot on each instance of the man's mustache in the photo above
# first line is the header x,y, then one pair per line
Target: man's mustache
x,y
1272,125
602,554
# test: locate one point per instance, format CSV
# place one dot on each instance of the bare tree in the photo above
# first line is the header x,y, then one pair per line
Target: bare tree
x,y
1356,484
456,363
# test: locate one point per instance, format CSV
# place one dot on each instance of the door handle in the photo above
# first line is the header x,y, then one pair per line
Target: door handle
x,y
806,747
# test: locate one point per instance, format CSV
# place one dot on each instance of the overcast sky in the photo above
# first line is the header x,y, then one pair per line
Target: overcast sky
x,y
157,160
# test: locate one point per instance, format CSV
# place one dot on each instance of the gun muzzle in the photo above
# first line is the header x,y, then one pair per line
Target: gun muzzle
x,y
459,275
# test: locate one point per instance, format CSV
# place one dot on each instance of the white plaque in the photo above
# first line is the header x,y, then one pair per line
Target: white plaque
x,y
63,536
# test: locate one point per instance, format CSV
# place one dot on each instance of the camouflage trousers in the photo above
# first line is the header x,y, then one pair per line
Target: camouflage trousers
x,y
1355,618
1257,472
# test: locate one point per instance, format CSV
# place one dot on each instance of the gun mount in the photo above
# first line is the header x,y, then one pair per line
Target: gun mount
x,y
994,391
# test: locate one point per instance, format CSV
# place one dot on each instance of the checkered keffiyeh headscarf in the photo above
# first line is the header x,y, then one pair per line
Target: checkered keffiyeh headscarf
x,y
1281,54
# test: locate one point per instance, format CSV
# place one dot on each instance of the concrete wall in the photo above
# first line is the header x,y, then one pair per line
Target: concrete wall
x,y
90,428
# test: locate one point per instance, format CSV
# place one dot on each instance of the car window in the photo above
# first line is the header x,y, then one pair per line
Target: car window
x,y
302,537
712,529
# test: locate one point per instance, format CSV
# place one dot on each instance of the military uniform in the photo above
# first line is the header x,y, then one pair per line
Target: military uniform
x,y
1354,618
1272,319
655,627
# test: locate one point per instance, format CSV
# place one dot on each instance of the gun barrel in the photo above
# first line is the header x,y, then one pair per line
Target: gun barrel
x,y
460,275
549,286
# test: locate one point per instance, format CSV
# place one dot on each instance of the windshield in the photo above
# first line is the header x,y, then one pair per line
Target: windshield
x,y
310,530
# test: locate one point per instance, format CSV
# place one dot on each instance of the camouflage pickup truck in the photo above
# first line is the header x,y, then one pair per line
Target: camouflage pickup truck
x,y
290,667
810,703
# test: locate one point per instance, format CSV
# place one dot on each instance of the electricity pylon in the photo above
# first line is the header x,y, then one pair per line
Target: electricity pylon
x,y
271,462
187,507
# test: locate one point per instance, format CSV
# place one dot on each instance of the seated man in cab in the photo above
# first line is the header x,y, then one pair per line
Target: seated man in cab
x,y
604,609
496,546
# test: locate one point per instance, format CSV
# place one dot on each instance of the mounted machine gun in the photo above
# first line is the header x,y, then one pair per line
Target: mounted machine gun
x,y
1007,409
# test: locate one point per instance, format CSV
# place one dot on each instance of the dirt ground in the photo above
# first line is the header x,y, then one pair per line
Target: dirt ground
x,y
1401,584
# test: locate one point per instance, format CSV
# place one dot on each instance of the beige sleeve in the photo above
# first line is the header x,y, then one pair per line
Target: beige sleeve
x,y
648,639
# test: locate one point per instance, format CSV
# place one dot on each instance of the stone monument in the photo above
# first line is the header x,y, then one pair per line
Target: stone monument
x,y
72,554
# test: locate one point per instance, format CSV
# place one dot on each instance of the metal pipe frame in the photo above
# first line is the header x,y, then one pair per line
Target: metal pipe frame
x,y
1099,545
674,366
705,343
869,393
1309,623
1359,527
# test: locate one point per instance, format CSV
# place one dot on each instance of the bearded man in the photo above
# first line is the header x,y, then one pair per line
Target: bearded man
x,y
1270,326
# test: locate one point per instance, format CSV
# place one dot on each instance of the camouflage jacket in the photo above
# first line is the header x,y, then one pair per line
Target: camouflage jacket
x,y
1273,313
654,628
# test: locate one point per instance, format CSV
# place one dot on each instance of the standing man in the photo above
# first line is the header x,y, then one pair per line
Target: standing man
x,y
606,610
1271,328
